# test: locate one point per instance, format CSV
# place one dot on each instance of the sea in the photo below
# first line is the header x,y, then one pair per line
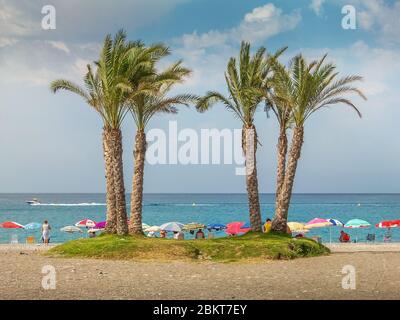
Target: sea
x,y
66,209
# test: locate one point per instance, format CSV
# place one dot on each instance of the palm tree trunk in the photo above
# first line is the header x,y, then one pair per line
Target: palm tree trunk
x,y
282,152
111,225
119,188
249,144
280,221
135,226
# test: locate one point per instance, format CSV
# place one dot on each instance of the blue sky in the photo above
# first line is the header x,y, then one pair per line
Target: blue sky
x,y
52,143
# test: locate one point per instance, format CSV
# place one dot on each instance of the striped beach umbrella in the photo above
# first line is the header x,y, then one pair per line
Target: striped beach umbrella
x,y
317,223
388,224
334,223
86,223
357,223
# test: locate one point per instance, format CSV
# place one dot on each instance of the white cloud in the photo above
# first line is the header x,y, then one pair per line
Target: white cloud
x,y
256,26
316,6
60,46
381,18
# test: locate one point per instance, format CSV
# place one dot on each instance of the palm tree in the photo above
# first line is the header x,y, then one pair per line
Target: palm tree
x,y
143,108
245,81
106,90
278,100
307,88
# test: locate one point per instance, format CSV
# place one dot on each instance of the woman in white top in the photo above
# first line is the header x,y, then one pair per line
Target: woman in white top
x,y
46,232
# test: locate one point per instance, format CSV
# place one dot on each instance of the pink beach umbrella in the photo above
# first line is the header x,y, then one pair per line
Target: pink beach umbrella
x,y
85,223
100,225
234,228
317,223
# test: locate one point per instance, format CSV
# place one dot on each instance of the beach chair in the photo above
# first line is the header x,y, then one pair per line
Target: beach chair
x,y
371,237
387,238
30,240
14,239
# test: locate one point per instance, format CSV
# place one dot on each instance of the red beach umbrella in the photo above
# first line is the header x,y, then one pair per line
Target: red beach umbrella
x,y
11,225
236,227
388,224
86,223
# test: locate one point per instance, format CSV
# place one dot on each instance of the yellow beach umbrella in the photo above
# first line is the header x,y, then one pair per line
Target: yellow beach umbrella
x,y
297,227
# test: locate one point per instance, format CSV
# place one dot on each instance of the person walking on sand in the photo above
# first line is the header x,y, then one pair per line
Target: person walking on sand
x,y
46,232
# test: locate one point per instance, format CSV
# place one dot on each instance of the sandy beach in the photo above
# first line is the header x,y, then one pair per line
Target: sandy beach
x,y
377,277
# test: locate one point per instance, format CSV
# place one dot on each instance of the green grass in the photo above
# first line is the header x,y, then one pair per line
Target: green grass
x,y
252,246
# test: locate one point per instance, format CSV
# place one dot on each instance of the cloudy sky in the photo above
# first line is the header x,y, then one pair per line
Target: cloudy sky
x,y
52,143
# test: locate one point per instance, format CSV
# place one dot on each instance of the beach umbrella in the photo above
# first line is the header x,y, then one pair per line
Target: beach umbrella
x,y
216,226
11,225
193,226
388,224
334,223
357,224
153,229
317,223
145,226
172,226
86,223
100,225
236,227
33,226
297,227
71,229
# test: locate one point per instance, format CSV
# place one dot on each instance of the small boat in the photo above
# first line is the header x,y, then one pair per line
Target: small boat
x,y
33,202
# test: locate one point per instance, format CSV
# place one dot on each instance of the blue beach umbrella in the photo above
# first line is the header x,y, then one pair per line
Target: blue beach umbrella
x,y
33,226
216,226
334,223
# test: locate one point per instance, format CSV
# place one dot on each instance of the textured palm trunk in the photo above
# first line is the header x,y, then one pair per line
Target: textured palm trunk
x,y
249,144
280,221
282,153
111,225
135,226
119,188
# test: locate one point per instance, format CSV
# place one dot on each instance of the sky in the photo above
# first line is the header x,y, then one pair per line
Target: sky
x,y
52,143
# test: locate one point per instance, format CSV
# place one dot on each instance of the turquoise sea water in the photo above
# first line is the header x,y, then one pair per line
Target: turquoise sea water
x,y
66,209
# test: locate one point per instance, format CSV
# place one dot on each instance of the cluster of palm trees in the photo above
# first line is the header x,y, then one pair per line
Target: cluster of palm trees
x,y
126,80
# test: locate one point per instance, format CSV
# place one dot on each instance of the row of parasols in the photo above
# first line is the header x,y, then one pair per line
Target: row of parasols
x,y
230,228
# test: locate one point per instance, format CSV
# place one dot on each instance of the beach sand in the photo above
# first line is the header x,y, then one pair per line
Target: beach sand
x,y
377,277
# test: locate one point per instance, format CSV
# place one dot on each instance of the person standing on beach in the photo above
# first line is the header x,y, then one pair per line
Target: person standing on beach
x,y
46,232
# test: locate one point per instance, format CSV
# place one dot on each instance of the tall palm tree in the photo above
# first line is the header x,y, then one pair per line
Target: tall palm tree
x,y
245,81
278,100
143,108
106,90
308,88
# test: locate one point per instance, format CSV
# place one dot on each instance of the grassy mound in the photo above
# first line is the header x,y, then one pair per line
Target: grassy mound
x,y
251,246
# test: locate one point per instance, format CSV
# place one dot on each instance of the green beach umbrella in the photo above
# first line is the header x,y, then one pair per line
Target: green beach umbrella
x,y
357,224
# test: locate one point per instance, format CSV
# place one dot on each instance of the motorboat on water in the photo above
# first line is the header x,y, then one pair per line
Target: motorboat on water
x,y
33,202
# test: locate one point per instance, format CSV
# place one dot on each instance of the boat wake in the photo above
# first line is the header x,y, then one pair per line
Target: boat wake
x,y
84,204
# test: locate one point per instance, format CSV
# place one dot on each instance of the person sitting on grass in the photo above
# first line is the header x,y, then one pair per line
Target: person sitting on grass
x,y
267,225
199,234
344,237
